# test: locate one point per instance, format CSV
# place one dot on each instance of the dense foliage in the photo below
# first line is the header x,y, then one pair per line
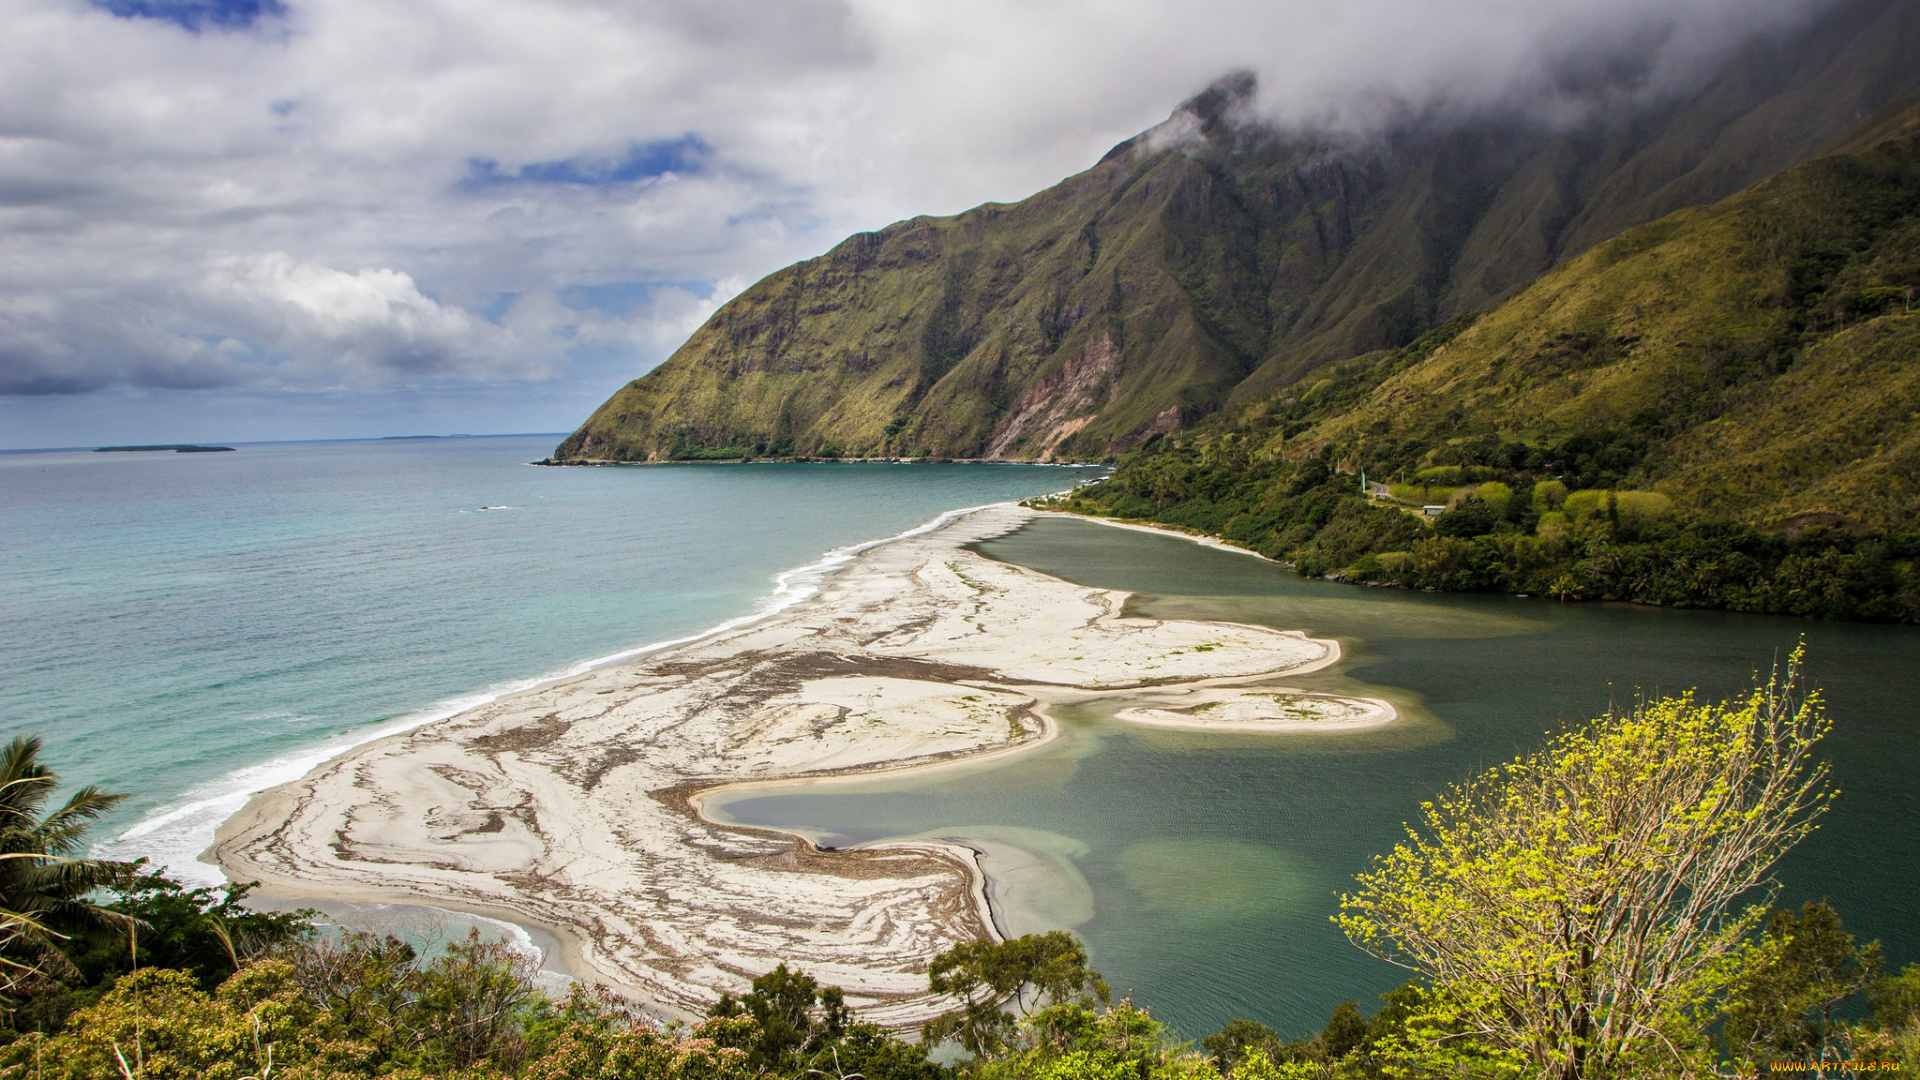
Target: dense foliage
x,y
1510,528
1578,909
350,1007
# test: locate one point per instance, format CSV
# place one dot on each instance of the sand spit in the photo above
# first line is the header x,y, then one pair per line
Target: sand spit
x,y
1275,708
572,807
1135,526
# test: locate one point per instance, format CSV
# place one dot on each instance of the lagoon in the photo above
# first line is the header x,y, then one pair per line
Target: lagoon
x,y
1202,868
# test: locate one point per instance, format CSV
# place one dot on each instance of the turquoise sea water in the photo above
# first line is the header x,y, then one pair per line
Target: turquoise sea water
x,y
189,628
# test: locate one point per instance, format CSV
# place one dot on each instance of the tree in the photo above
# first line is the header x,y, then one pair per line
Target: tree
x,y
1783,1006
1573,911
206,931
995,982
44,885
469,1003
1234,1046
1238,1040
1074,1041
790,1025
794,1018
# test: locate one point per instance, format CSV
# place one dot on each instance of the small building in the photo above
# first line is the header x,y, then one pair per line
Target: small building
x,y
1433,510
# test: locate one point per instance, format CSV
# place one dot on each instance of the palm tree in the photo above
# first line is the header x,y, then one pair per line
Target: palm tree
x,y
44,883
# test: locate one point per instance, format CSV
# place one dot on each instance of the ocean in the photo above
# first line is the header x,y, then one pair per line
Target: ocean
x,y
188,629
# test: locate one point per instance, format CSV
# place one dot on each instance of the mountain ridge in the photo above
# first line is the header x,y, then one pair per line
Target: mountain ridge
x,y
1720,408
1168,282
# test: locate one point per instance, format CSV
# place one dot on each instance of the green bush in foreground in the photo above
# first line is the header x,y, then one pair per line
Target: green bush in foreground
x,y
1575,909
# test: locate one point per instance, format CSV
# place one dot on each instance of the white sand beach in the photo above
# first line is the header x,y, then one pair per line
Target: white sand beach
x,y
574,807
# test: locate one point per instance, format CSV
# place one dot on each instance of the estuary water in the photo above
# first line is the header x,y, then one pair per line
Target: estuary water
x,y
1203,869
191,628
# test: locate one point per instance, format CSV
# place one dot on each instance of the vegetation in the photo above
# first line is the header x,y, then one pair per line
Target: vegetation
x,y
1611,545
1574,911
1209,265
1720,409
1572,914
44,885
997,984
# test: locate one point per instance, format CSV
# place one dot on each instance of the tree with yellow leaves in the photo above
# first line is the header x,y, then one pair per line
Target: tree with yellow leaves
x,y
1573,912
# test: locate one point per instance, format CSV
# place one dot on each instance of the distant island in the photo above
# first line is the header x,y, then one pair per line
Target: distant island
x,y
178,448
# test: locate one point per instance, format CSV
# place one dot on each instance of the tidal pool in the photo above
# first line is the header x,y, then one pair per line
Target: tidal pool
x,y
1202,869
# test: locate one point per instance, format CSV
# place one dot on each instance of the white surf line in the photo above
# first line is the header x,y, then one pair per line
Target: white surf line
x,y
173,835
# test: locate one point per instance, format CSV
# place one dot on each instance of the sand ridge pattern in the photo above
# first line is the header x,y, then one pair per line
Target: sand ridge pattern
x,y
573,806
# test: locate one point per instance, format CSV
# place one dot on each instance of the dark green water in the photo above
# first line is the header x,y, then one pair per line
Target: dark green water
x,y
1211,863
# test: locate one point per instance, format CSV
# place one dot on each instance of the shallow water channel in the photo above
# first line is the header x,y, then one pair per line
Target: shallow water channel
x,y
1202,868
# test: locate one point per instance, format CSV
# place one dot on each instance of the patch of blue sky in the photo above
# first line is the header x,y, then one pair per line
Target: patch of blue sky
x,y
620,297
642,161
497,306
197,15
793,215
606,367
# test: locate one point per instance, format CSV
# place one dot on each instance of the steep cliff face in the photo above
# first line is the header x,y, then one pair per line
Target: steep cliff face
x,y
1210,263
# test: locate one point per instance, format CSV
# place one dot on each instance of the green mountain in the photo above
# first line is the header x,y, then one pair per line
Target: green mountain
x,y
1753,360
1211,264
1720,408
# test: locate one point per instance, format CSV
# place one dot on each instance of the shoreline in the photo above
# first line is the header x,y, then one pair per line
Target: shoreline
x,y
230,794
575,807
573,463
1202,539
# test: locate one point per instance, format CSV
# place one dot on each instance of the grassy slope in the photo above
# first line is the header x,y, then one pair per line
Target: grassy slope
x,y
1753,361
1730,340
1159,286
920,338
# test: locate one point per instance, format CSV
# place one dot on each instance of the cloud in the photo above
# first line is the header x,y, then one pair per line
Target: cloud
x,y
368,325
317,194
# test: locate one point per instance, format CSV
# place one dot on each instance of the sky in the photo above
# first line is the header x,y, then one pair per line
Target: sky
x,y
283,219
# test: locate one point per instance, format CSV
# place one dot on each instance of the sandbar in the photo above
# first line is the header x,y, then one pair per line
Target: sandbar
x,y
1277,708
574,807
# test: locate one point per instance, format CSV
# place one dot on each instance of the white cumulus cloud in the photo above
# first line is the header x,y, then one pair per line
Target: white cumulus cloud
x,y
372,324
